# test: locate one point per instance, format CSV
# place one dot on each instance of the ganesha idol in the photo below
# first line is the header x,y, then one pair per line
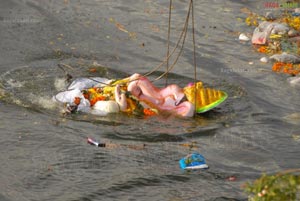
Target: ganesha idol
x,y
137,95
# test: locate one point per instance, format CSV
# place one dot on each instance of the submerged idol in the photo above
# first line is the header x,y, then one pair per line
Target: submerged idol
x,y
136,94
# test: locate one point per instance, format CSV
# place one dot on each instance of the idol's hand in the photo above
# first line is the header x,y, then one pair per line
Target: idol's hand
x,y
120,98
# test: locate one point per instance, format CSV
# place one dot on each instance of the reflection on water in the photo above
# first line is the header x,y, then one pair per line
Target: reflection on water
x,y
46,156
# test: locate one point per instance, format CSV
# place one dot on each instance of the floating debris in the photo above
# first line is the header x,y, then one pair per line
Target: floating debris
x,y
294,81
286,58
278,37
113,146
231,178
193,161
264,60
270,16
287,68
93,142
243,37
262,33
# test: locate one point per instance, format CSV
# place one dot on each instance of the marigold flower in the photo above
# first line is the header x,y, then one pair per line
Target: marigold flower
x,y
149,112
277,66
295,23
287,68
77,100
263,49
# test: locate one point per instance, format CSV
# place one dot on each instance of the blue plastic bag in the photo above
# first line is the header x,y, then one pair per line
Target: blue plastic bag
x,y
193,161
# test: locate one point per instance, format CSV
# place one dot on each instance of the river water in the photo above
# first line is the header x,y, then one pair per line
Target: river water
x,y
45,156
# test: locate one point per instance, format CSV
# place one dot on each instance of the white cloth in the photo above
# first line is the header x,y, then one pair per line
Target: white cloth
x,y
85,83
101,108
69,97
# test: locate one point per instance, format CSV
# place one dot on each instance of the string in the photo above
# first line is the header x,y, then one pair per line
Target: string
x,y
174,49
168,44
195,60
184,33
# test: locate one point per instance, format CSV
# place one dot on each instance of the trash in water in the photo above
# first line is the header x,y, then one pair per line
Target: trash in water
x,y
243,37
93,142
264,60
231,178
287,68
110,145
285,58
278,37
192,162
294,81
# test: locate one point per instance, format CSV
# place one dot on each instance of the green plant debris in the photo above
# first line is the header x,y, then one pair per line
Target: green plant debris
x,y
282,186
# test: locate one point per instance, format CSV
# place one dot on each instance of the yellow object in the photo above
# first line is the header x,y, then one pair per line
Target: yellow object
x,y
110,89
295,23
131,105
275,36
206,98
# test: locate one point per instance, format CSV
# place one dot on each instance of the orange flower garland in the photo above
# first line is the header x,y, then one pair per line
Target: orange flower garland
x,y
263,49
94,95
149,112
286,68
103,94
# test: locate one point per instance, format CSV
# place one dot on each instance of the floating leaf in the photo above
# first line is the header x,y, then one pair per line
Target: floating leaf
x,y
121,27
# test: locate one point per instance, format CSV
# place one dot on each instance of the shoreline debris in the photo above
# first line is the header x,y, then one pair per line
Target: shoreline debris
x,y
278,37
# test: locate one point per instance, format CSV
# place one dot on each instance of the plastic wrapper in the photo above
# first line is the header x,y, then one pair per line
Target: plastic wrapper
x,y
262,33
286,58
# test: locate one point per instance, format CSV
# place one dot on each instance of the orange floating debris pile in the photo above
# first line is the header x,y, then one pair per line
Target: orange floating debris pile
x,y
287,68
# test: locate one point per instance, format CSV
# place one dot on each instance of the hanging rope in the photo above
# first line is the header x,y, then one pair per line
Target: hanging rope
x,y
168,43
195,60
194,42
180,42
183,33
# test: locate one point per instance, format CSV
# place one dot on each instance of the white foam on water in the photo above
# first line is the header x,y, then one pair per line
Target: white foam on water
x,y
44,102
14,83
60,84
294,81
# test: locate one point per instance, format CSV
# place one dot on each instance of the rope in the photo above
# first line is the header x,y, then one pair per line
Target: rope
x,y
174,49
169,54
183,34
195,60
169,32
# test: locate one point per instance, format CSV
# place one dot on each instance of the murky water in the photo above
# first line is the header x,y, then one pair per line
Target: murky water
x,y
44,156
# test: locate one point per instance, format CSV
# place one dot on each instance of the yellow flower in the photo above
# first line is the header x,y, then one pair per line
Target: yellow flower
x,y
295,23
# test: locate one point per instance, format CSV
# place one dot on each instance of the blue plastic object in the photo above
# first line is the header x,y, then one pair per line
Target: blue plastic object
x,y
193,161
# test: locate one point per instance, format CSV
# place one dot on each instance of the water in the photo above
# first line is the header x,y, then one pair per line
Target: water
x,y
45,155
